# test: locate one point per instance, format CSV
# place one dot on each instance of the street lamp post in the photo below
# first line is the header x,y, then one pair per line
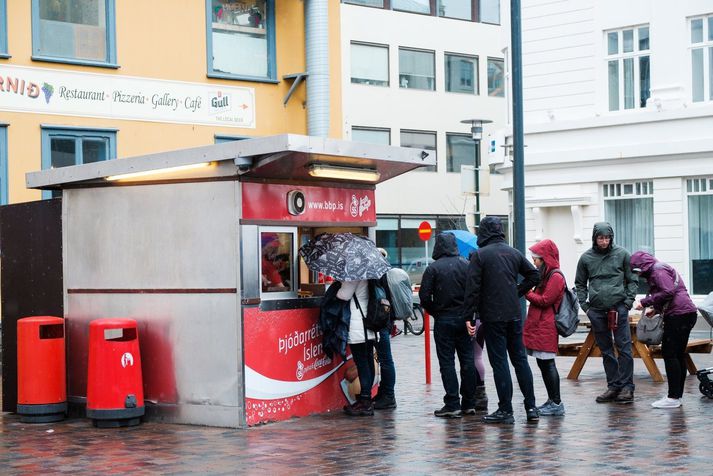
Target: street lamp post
x,y
476,131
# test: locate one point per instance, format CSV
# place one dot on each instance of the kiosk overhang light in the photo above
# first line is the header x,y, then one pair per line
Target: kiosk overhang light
x,y
343,173
147,173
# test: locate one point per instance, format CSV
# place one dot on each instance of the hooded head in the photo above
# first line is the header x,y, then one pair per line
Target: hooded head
x,y
642,262
547,250
602,228
490,230
445,246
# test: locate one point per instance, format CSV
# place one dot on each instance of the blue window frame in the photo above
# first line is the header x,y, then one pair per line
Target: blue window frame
x,y
3,29
74,31
65,146
240,40
3,164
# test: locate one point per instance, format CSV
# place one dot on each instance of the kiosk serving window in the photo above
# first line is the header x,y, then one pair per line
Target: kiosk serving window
x,y
278,249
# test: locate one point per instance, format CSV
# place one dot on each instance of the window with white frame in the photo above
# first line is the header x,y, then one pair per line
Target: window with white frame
x,y
420,140
461,73
702,58
629,208
461,149
628,68
370,64
462,9
489,11
700,233
417,69
74,31
496,77
371,135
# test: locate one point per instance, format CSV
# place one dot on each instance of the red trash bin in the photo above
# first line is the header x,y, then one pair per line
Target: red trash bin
x,y
41,371
115,392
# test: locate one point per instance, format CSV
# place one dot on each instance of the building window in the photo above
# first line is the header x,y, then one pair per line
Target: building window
x,y
462,9
420,140
241,39
489,11
3,29
371,135
702,59
74,31
461,150
417,69
628,68
62,147
496,77
700,233
629,207
413,6
370,64
3,165
367,3
461,73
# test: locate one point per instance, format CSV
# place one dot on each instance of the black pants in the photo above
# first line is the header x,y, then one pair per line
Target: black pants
x,y
676,330
363,355
452,338
551,378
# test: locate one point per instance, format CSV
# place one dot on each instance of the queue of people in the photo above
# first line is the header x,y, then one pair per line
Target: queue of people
x,y
477,302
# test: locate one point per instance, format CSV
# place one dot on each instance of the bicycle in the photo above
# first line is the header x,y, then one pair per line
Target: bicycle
x,y
414,323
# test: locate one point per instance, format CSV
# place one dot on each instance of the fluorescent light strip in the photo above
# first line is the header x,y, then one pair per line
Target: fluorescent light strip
x,y
157,171
343,173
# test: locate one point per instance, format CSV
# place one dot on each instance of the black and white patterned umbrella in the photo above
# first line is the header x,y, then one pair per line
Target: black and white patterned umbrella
x,y
344,256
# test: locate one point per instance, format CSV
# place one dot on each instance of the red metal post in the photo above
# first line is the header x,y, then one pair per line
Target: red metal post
x,y
427,346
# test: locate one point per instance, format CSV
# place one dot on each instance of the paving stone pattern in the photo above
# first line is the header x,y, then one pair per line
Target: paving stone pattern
x,y
591,438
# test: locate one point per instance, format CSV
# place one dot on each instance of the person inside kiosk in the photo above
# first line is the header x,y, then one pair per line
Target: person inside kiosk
x,y
275,261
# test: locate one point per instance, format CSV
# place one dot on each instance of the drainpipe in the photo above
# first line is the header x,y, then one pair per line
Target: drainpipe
x,y
317,59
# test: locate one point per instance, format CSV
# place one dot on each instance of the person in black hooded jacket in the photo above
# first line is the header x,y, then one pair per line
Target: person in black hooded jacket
x,y
493,294
441,293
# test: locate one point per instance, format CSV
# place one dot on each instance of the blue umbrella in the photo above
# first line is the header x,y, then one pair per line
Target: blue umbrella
x,y
467,241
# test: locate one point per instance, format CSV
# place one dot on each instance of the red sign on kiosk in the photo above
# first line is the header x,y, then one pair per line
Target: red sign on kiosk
x,y
424,231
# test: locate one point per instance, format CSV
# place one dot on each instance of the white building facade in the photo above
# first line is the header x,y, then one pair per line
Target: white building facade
x,y
618,104
411,71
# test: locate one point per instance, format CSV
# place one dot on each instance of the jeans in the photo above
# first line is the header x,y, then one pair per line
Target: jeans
x,y
620,372
363,355
503,339
386,364
452,337
676,330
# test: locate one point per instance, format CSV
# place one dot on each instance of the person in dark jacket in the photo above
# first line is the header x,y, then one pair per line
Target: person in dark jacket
x,y
668,296
441,293
540,334
492,293
605,285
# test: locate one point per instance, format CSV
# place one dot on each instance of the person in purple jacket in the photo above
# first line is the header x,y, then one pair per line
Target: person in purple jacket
x,y
668,296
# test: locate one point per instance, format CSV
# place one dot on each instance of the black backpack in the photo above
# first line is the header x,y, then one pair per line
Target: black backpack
x,y
378,311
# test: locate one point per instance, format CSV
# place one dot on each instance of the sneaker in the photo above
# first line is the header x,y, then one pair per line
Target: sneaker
x,y
550,408
625,396
532,414
468,411
499,416
445,412
384,403
608,396
667,403
360,408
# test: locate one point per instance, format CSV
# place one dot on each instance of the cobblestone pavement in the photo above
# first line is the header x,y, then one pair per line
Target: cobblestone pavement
x,y
591,438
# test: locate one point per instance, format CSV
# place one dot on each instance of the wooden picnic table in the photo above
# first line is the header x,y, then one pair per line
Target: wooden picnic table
x,y
589,348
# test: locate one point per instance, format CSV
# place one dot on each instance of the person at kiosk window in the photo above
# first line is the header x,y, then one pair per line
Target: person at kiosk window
x,y
361,343
271,264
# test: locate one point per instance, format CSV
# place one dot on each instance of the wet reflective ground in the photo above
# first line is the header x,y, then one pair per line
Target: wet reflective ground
x,y
591,438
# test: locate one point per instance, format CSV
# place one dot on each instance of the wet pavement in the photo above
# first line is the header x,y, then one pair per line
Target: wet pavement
x,y
590,438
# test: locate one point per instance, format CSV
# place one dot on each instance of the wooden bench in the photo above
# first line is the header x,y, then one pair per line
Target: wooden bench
x,y
589,348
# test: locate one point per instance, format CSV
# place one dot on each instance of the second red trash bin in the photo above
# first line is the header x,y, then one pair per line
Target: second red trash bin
x,y
115,395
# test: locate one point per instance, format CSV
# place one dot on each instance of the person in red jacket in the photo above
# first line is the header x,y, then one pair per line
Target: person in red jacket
x,y
540,334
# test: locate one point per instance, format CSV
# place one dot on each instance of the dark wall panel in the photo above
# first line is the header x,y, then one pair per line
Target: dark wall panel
x,y
31,274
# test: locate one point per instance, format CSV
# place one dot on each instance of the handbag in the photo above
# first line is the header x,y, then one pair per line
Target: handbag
x,y
649,330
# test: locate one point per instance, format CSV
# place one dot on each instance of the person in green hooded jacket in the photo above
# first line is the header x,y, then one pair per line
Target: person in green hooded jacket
x,y
606,284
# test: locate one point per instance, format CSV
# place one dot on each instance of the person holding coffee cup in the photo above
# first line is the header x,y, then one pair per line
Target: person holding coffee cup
x,y
606,290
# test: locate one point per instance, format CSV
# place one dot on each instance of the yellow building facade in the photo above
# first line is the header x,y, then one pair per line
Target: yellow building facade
x,y
89,80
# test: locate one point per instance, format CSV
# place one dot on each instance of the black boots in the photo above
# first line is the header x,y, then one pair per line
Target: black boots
x,y
481,399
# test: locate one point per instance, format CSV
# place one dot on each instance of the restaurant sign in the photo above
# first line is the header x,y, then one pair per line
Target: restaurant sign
x,y
48,91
